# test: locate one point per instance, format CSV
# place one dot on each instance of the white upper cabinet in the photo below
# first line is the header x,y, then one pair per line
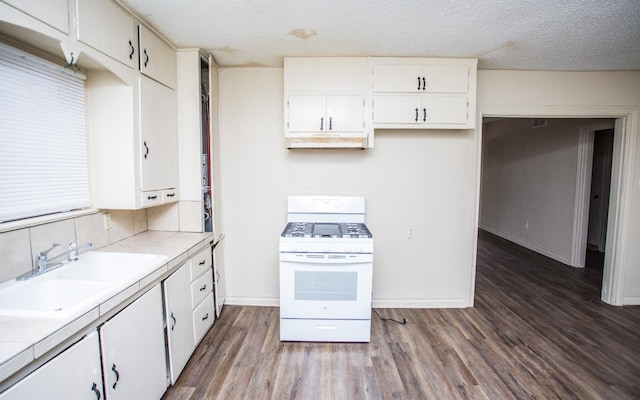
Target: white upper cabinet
x,y
106,27
158,135
422,93
157,58
326,114
54,13
421,78
326,100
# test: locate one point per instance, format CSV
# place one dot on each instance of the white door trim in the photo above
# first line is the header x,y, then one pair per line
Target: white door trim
x,y
621,182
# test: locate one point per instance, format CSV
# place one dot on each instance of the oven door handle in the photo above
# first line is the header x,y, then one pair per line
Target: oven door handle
x,y
320,258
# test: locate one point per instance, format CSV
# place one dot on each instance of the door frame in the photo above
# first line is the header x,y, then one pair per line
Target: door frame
x,y
583,189
626,124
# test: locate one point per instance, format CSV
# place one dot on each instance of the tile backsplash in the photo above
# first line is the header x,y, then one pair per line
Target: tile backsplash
x,y
19,247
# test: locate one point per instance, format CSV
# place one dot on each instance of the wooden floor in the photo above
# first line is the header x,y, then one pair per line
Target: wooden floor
x,y
538,331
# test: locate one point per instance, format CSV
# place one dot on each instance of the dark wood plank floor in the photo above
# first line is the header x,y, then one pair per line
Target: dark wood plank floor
x,y
538,331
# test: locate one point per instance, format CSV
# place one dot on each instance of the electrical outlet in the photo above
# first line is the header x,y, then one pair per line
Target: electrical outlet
x,y
411,232
107,221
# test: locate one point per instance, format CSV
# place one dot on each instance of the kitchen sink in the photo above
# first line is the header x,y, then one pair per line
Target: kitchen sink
x,y
51,298
76,287
110,266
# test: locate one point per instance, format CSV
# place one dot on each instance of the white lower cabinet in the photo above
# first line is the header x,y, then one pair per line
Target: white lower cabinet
x,y
73,374
179,320
133,350
189,309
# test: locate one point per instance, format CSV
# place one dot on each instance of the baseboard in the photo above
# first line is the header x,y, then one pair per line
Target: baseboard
x,y
421,303
545,252
377,303
253,301
631,301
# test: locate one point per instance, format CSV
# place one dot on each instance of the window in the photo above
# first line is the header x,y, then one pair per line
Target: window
x,y
43,144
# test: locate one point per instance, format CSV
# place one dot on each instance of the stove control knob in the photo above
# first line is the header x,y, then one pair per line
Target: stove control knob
x,y
326,248
294,247
347,249
304,249
358,249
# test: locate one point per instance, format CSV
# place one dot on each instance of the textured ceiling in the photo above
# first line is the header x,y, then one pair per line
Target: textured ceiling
x,y
502,34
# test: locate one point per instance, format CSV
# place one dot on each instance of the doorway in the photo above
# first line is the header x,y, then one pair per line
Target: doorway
x,y
539,211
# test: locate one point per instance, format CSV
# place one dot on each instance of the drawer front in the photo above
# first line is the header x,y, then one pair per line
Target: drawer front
x,y
203,317
151,198
170,196
201,288
200,263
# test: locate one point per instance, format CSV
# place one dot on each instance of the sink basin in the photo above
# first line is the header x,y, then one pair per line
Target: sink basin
x,y
76,287
51,298
108,266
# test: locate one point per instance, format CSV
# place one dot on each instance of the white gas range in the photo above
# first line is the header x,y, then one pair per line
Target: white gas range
x,y
326,269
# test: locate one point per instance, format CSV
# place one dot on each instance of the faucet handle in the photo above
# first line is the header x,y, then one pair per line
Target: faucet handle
x,y
45,252
73,250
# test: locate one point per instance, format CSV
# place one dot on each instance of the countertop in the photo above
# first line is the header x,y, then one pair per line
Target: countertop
x,y
23,340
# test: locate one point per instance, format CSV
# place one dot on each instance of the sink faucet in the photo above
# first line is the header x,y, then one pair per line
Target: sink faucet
x,y
41,259
42,262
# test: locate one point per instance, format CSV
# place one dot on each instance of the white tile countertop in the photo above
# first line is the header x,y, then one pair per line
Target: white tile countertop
x,y
25,339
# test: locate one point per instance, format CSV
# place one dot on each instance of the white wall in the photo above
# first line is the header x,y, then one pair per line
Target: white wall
x,y
427,180
529,183
423,180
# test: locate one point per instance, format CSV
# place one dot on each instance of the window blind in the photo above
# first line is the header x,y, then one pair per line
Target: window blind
x,y
43,144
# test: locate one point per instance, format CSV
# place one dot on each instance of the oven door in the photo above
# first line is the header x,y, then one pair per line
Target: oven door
x,y
325,286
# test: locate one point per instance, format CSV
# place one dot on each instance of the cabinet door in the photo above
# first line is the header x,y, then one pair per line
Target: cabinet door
x,y
109,29
179,319
307,113
157,58
345,113
52,12
74,374
159,137
444,109
396,109
445,78
397,78
133,352
421,78
218,283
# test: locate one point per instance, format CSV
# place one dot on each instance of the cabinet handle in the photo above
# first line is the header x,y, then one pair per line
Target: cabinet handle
x,y
205,317
418,83
96,391
202,262
133,50
321,123
115,371
424,83
146,58
217,276
416,115
152,197
424,110
174,321
204,287
330,123
171,194
146,153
